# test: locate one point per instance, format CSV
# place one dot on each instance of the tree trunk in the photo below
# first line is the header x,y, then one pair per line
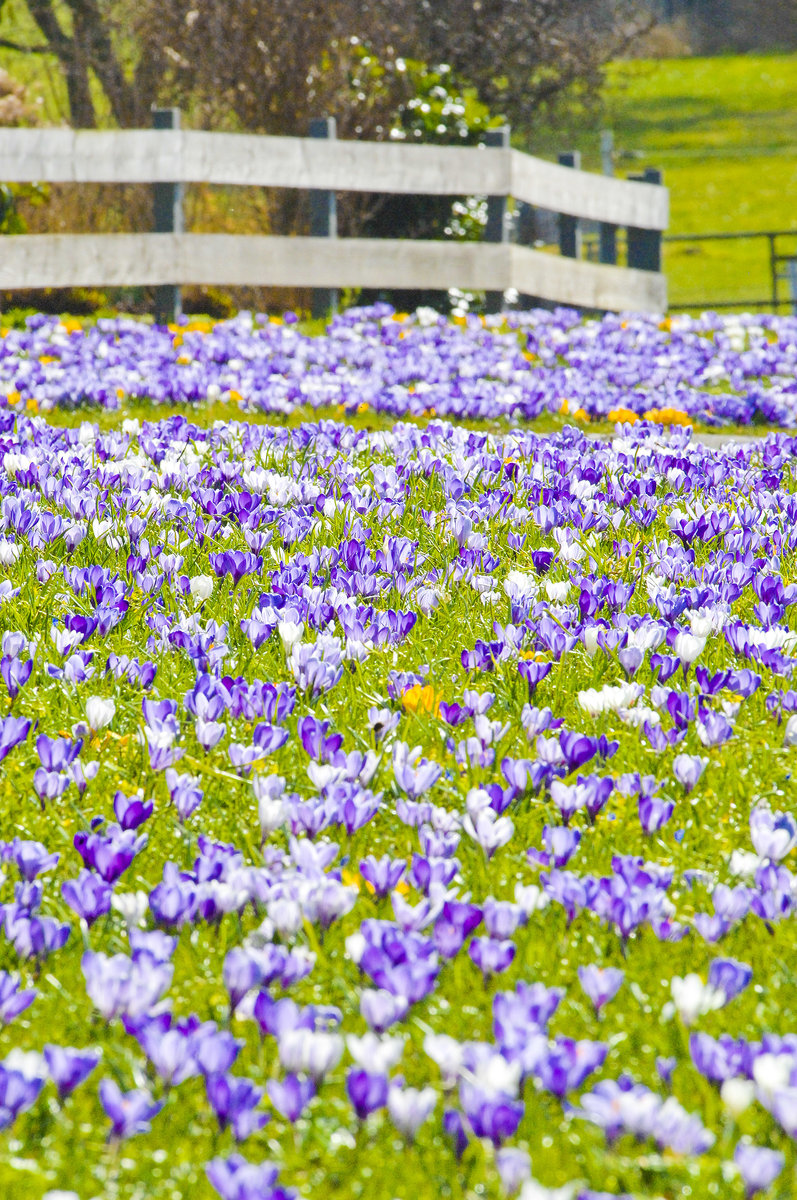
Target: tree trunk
x,y
73,62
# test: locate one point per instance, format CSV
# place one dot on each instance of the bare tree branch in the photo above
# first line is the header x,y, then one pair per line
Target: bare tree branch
x,y
41,49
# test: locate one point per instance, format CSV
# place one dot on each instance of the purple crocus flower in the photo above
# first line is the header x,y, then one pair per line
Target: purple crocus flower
x,y
236,1179
491,1116
654,813
18,1092
514,1167
174,900
57,754
601,984
758,1166
131,811
88,896
501,917
209,733
687,769
36,937
630,659
577,748
236,564
241,974
216,1051
171,1050
490,955
772,834
456,922
186,795
83,773
111,854
12,1000
128,1112
561,843
568,1063
533,673
316,739
522,1012
277,1017
454,1128
413,774
366,1091
31,858
665,664
381,1008
382,873
69,1067
118,985
729,976
13,731
569,798
158,945
234,1098
15,674
49,785
489,830
665,1068
291,1095
713,728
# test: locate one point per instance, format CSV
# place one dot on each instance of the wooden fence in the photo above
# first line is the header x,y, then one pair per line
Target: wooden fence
x,y
168,158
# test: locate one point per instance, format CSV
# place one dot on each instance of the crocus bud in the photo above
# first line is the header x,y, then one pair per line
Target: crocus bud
x,y
737,1095
201,587
99,712
290,634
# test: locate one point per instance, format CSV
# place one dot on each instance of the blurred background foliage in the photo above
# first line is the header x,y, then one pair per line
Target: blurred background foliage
x,y
419,70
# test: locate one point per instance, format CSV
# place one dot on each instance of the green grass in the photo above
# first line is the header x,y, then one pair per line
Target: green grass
x,y
724,132
204,415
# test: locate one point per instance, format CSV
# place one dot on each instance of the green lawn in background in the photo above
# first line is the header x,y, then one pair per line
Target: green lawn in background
x,y
724,131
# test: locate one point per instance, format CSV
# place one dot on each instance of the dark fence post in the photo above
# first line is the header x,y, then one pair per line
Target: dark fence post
x,y
607,234
644,245
323,220
570,227
496,228
773,271
167,211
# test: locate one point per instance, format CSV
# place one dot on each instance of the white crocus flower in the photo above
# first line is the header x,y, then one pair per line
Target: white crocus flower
x,y
132,907
772,1073
688,647
692,997
290,634
737,1095
99,712
201,587
378,1054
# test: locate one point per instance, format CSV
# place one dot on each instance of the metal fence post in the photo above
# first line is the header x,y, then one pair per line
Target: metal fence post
x,y
323,221
167,212
644,245
570,227
607,234
496,228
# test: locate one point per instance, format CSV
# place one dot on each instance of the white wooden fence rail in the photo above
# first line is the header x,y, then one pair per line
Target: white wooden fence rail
x,y
175,156
214,259
189,156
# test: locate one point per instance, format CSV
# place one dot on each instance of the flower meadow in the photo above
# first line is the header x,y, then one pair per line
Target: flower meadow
x,y
520,365
400,812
